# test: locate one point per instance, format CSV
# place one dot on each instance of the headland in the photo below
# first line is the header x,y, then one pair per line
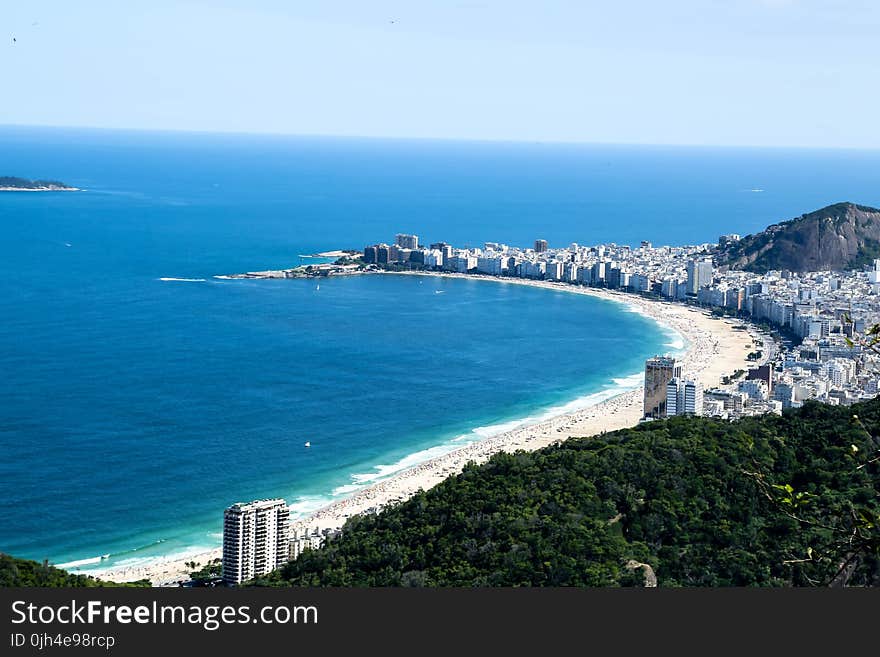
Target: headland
x,y
16,184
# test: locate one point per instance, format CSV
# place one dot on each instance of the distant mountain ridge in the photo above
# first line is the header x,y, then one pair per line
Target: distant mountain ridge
x,y
837,237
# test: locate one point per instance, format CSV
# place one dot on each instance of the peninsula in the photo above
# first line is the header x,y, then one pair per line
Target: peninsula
x,y
16,184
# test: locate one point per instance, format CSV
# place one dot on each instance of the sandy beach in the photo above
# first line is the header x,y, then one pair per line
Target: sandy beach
x,y
714,349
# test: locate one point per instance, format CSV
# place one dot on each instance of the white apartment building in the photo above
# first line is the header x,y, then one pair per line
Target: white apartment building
x,y
756,389
840,371
255,539
684,397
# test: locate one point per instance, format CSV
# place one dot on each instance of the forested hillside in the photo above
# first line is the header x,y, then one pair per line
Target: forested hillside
x,y
769,501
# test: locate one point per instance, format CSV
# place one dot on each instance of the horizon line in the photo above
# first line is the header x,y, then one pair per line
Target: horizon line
x,y
478,140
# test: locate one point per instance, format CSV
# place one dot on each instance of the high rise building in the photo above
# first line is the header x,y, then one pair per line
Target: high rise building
x,y
699,274
553,271
255,539
659,371
692,399
407,241
672,395
383,254
371,254
444,248
873,277
683,397
540,246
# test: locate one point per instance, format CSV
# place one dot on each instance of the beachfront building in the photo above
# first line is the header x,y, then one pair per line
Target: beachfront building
x,y
699,274
255,539
383,254
659,371
405,241
540,246
684,397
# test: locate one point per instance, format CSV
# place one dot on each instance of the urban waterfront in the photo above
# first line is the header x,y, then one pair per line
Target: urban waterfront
x,y
128,362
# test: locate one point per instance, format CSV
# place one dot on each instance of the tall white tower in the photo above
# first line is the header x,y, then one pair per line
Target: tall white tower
x,y
255,539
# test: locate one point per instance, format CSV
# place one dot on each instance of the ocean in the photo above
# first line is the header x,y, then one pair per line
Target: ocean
x,y
140,395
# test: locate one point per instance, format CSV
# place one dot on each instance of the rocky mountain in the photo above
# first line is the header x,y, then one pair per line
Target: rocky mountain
x,y
839,237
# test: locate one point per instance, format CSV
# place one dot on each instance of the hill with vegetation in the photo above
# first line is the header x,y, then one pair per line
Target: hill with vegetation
x,y
23,572
838,237
14,182
786,500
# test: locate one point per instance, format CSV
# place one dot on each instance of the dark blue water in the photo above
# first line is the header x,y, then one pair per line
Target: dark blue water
x,y
133,410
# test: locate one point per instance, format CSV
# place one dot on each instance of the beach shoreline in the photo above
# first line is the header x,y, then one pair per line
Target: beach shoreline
x,y
40,189
713,348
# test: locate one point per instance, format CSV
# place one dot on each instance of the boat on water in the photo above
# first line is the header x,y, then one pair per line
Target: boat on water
x,y
308,444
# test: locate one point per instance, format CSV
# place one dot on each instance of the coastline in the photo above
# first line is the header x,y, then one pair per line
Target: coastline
x,y
713,349
40,189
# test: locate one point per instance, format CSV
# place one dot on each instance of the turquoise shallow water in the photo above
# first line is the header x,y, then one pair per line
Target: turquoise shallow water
x,y
134,409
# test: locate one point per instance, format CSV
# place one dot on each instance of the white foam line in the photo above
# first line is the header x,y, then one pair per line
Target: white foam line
x,y
139,562
79,562
385,471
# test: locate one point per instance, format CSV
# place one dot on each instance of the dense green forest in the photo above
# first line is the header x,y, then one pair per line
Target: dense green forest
x,y
768,501
23,572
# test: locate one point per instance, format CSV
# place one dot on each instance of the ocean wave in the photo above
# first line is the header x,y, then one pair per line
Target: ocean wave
x,y
130,559
307,504
102,565
621,385
629,382
346,490
495,429
81,562
183,280
677,341
189,551
382,472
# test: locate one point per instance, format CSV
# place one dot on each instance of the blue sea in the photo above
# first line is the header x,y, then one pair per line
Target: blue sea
x,y
133,408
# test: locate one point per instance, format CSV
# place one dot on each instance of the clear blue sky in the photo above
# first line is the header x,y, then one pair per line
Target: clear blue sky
x,y
739,72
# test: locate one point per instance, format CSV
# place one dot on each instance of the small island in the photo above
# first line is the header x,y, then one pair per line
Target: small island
x,y
15,184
